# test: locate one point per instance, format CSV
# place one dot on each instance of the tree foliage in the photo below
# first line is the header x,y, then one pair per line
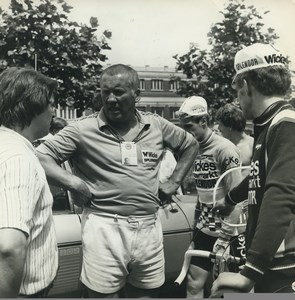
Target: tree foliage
x,y
209,72
41,35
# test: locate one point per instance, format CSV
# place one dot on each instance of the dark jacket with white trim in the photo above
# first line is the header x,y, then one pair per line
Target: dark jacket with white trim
x,y
270,187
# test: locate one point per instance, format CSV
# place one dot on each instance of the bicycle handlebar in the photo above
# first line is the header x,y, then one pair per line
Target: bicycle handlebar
x,y
201,253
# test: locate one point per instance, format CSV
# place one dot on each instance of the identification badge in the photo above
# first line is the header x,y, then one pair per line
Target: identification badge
x,y
129,153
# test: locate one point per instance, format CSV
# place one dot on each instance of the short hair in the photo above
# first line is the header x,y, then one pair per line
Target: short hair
x,y
122,69
231,116
57,124
24,94
269,81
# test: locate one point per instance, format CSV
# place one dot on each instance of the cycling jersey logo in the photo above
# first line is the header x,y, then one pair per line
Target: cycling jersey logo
x,y
254,182
150,157
271,59
231,161
205,172
204,166
241,245
247,64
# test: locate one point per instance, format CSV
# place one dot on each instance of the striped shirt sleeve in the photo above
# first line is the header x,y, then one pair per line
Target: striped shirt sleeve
x,y
17,190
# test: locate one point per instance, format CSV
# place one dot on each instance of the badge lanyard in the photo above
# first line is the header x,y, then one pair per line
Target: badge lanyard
x,y
128,149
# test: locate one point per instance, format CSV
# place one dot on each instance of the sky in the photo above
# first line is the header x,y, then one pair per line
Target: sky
x,y
151,32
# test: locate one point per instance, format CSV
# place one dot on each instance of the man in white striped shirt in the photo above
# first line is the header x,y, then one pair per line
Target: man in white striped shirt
x,y
28,248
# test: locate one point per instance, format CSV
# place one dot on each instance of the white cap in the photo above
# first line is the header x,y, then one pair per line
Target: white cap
x,y
193,106
258,56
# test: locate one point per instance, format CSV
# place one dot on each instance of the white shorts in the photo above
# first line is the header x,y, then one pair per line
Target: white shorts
x,y
118,249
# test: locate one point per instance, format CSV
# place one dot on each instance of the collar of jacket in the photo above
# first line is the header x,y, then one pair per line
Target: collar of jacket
x,y
270,112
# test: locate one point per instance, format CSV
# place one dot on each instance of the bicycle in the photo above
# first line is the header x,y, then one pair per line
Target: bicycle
x,y
206,254
231,257
224,259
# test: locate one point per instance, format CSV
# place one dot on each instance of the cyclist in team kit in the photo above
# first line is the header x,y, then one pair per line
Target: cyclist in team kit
x,y
262,81
216,155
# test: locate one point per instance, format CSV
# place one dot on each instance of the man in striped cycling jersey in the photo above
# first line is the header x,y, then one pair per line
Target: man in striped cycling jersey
x,y
216,156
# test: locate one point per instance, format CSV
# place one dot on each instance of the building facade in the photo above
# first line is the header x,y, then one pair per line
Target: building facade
x,y
158,91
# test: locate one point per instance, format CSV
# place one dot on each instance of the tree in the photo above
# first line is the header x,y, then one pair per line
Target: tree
x,y
210,72
41,35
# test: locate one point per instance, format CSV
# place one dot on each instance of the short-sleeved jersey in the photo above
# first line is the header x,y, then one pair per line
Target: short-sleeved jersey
x,y
216,155
95,149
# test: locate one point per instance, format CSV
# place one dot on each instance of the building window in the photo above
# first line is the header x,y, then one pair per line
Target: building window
x,y
157,85
142,84
158,110
174,86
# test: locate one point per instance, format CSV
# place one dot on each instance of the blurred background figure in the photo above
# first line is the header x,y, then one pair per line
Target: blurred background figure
x,y
215,128
167,166
60,196
232,124
56,125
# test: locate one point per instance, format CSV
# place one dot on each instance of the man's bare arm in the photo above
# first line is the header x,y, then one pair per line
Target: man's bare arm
x,y
60,177
13,250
